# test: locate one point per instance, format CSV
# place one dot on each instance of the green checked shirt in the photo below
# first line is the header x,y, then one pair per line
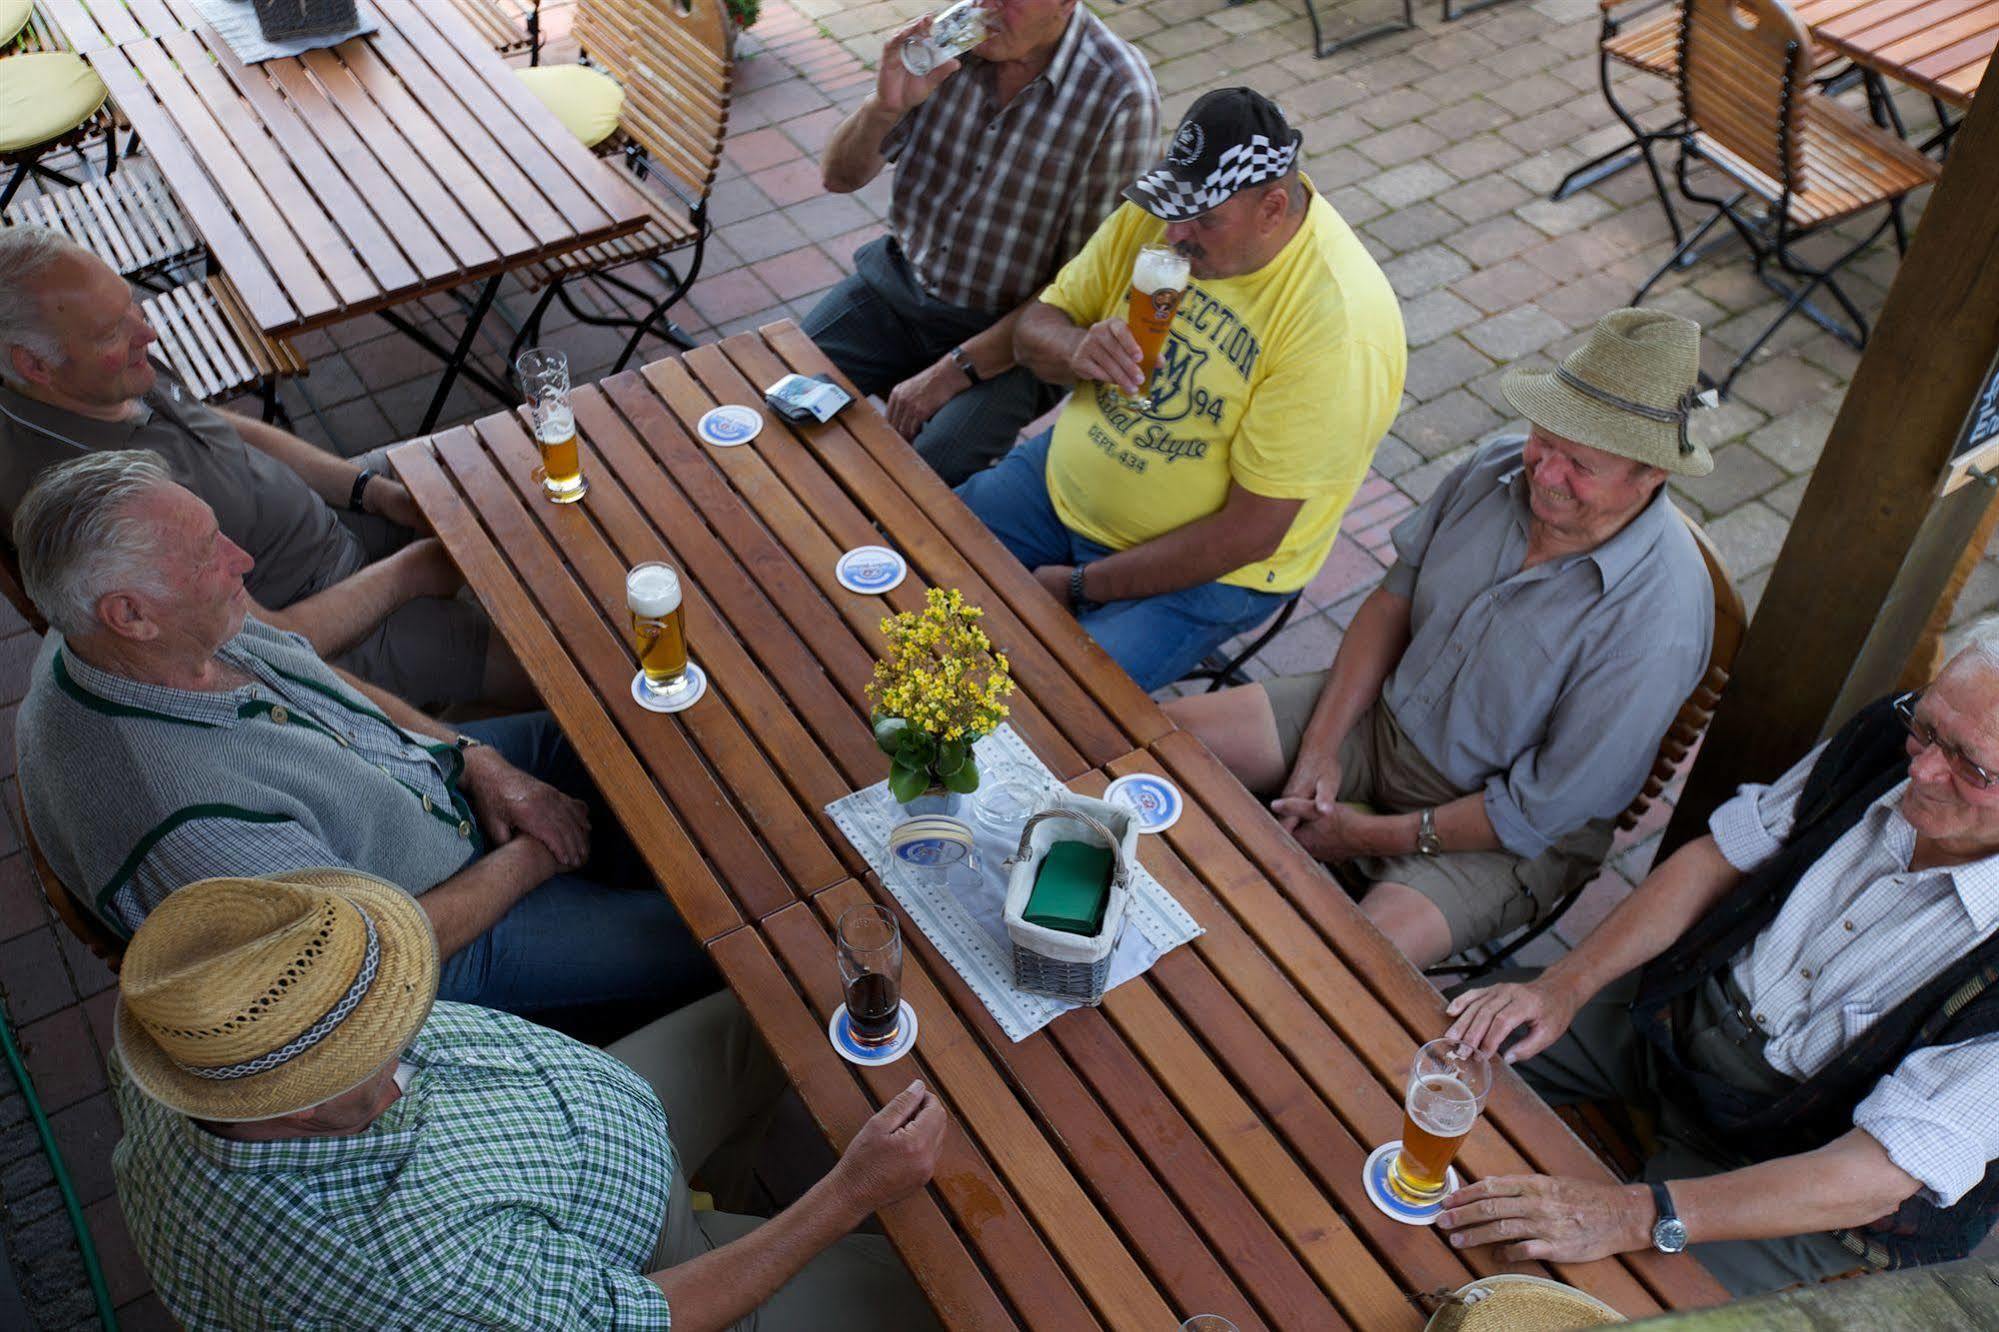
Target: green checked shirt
x,y
520,1181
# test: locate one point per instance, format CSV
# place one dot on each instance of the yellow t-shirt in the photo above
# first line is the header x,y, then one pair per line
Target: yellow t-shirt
x,y
1283,380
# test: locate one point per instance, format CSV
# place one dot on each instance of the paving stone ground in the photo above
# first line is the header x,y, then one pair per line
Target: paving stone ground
x,y
1439,145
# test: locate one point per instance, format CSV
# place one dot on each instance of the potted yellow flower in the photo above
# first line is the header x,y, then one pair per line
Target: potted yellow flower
x,y
939,686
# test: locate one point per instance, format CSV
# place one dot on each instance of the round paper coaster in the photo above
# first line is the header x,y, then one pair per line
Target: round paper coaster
x,y
1375,1176
1156,801
697,685
727,426
841,1032
870,570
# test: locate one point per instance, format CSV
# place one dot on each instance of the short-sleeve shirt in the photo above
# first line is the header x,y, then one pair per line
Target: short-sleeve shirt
x,y
262,505
520,1181
1283,380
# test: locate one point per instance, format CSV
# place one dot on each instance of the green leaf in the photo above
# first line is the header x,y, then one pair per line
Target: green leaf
x,y
916,748
905,784
965,780
889,732
951,756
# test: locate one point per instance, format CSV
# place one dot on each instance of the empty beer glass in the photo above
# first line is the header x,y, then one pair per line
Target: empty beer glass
x,y
659,629
952,33
545,379
1158,281
1447,1089
870,951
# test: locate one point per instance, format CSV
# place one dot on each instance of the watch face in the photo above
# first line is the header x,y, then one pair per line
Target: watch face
x,y
1669,1235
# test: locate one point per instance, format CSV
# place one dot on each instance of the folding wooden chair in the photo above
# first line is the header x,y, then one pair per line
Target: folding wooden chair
x,y
80,920
1222,670
12,588
672,61
129,219
211,342
1751,113
510,26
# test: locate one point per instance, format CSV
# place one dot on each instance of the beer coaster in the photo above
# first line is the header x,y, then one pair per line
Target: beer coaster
x,y
870,570
725,427
840,1030
931,841
1156,801
697,686
1375,1176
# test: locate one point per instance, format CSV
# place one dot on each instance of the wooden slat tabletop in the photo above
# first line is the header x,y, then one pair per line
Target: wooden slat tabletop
x,y
356,177
1192,1145
1939,46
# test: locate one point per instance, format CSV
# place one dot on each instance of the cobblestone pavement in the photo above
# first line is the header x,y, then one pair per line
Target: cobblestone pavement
x,y
1440,145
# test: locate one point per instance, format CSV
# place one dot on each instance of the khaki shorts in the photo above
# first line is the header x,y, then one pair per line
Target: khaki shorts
x,y
1483,894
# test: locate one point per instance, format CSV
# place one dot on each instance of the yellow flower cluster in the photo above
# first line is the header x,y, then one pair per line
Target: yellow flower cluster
x,y
940,673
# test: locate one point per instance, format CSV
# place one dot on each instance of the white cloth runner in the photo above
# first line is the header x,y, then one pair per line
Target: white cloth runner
x,y
235,21
961,910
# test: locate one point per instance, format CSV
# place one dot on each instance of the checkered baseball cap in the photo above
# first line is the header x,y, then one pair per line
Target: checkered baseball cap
x,y
1229,140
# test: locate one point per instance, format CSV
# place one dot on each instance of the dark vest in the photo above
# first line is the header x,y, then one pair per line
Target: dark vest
x,y
1863,762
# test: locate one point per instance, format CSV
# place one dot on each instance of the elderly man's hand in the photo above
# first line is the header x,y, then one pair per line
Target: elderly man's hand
x,y
1108,354
1340,834
918,398
1549,1218
1055,578
895,1152
1314,779
1485,1018
508,801
898,90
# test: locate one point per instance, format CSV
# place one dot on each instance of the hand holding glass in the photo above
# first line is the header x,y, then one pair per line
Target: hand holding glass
x,y
1158,281
1447,1089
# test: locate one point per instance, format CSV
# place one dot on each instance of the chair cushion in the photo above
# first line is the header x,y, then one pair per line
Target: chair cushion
x,y
13,18
587,101
44,95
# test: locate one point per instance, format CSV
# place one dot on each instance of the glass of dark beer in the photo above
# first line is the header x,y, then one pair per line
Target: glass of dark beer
x,y
870,950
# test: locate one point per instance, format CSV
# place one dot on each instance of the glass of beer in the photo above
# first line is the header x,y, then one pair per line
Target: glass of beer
x,y
1158,281
545,379
870,950
659,633
1447,1089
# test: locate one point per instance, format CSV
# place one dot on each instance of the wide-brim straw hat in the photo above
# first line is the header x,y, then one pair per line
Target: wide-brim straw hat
x,y
1628,390
244,999
1515,1302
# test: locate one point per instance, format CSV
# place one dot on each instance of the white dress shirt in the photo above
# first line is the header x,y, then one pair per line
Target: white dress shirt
x,y
1860,933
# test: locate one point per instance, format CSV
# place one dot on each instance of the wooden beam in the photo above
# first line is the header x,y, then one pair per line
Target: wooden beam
x,y
1845,603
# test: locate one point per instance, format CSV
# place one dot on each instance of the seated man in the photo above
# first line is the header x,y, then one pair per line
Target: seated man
x,y
1802,998
167,736
1170,528
1005,162
75,377
411,1166
1500,697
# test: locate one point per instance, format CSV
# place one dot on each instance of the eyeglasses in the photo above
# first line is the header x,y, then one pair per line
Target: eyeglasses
x,y
1926,735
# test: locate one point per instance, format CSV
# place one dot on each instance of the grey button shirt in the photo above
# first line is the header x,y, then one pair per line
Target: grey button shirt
x,y
299,544
1549,688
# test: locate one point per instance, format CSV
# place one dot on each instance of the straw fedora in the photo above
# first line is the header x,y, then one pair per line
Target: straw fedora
x,y
1515,1302
1627,390
246,999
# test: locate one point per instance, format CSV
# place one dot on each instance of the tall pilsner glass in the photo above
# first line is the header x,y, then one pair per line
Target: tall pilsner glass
x,y
659,629
1158,281
1447,1089
545,379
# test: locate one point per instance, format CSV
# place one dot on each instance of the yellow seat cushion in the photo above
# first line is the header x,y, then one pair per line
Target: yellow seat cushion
x,y
585,100
44,95
13,18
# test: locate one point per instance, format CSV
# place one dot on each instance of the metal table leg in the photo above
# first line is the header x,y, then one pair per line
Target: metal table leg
x,y
1321,48
455,359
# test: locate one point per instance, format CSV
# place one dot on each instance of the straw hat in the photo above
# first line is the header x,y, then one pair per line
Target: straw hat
x,y
1627,390
1510,1302
247,999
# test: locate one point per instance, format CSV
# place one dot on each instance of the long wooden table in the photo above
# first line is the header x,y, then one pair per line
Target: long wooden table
x,y
1194,1144
1938,46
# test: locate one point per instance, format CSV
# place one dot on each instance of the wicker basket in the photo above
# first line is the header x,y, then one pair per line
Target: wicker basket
x,y
1047,961
287,20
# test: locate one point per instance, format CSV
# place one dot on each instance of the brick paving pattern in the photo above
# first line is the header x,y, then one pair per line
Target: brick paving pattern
x,y
1440,145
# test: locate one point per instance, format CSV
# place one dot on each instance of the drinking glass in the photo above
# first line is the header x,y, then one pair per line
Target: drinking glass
x,y
544,375
1158,280
1448,1085
870,954
1207,1323
659,631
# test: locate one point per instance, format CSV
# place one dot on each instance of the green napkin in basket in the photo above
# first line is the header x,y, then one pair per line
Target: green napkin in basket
x,y
1072,889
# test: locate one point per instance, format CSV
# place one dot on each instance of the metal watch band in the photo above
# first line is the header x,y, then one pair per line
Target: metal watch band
x,y
361,480
1427,841
1076,598
963,360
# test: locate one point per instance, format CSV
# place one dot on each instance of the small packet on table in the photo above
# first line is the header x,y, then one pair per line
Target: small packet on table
x,y
803,398
1071,889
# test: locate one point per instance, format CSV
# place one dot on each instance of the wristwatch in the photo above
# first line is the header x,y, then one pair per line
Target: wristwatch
x,y
1427,840
466,744
1669,1233
361,480
963,360
1077,601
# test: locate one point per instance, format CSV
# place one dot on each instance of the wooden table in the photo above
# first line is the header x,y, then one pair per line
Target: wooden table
x,y
1193,1145
355,178
1938,46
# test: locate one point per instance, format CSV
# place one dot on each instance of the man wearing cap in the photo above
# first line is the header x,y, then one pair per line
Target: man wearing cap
x,y
168,735
1171,527
311,1142
1005,162
1500,697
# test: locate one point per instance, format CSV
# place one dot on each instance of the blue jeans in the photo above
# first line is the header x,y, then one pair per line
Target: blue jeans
x,y
601,944
1157,639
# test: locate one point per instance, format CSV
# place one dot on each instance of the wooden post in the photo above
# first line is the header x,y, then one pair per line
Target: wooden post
x,y
1874,542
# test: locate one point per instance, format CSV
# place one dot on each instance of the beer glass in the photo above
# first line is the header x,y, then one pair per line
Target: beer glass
x,y
952,33
870,951
1158,281
659,634
545,379
1447,1089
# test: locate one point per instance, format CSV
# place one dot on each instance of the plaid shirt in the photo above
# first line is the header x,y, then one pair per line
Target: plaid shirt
x,y
990,200
520,1181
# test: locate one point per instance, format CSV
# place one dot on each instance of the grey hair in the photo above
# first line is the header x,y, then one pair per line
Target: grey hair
x,y
25,254
79,540
1975,644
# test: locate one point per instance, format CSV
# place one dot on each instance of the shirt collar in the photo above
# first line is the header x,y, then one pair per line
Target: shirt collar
x,y
1058,65
1617,557
104,692
1976,882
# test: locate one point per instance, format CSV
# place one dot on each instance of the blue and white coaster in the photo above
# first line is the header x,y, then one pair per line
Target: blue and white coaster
x,y
1156,801
728,426
841,1032
697,685
870,570
1375,1176
931,841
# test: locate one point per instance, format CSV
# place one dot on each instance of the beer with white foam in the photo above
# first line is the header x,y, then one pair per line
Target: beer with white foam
x,y
1447,1089
659,636
1158,280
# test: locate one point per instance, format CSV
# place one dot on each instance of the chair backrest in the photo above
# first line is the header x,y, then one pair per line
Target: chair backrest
x,y
672,58
16,593
1731,621
1745,69
69,908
